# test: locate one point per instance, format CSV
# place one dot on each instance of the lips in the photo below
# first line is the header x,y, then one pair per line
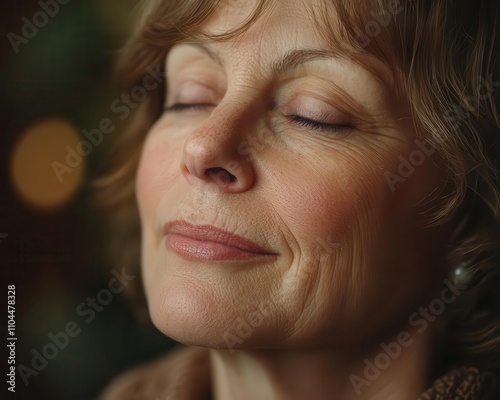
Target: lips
x,y
207,242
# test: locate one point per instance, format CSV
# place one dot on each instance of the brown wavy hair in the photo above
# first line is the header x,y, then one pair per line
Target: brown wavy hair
x,y
447,57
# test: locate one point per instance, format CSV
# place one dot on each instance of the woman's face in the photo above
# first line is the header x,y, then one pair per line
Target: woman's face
x,y
310,139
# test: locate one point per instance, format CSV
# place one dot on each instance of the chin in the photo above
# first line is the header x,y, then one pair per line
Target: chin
x,y
188,314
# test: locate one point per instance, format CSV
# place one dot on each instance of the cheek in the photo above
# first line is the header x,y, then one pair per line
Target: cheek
x,y
322,202
158,168
344,217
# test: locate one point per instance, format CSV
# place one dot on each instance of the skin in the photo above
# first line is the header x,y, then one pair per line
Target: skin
x,y
354,259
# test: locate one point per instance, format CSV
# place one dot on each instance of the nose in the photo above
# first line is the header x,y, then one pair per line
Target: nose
x,y
211,155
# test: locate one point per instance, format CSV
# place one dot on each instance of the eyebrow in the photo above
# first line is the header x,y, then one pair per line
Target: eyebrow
x,y
290,60
294,58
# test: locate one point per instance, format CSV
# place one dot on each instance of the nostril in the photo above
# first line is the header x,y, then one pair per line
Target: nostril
x,y
220,175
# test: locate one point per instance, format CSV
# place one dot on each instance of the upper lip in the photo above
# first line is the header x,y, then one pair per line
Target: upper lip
x,y
211,233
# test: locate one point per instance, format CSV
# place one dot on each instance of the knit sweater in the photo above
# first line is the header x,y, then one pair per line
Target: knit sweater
x,y
185,375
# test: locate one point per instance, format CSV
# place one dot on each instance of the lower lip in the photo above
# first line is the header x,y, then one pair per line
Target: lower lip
x,y
201,250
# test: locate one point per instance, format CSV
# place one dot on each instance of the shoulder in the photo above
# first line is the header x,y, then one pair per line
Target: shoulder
x,y
183,373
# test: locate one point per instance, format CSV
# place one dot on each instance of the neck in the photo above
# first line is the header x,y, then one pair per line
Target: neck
x,y
379,374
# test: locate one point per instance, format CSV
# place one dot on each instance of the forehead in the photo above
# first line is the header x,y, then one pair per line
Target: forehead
x,y
285,20
286,25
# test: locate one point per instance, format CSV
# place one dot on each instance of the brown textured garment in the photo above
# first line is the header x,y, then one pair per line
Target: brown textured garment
x,y
188,372
464,384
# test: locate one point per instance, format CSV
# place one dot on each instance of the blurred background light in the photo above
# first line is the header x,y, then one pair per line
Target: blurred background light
x,y
39,170
55,247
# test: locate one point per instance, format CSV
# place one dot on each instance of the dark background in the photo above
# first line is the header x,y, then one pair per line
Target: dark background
x,y
52,240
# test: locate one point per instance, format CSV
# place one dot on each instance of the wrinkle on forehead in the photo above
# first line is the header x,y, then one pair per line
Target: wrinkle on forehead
x,y
231,15
295,24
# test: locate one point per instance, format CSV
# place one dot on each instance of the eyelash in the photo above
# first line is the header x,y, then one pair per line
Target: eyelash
x,y
319,126
302,121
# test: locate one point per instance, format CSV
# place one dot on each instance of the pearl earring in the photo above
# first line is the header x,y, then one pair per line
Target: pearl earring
x,y
461,275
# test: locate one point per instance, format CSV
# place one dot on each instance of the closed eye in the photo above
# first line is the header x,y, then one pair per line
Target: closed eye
x,y
320,126
302,121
